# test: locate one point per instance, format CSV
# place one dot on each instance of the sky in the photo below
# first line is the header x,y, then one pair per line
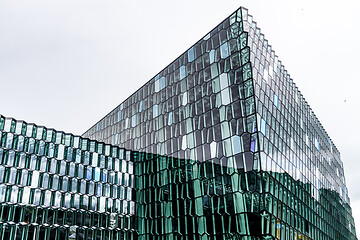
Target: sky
x,y
66,64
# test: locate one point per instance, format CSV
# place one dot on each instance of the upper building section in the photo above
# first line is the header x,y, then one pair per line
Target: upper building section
x,y
228,101
204,100
199,107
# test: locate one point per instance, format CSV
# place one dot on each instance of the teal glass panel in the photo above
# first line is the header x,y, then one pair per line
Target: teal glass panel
x,y
96,174
263,126
224,50
155,110
212,56
89,173
191,54
182,72
276,100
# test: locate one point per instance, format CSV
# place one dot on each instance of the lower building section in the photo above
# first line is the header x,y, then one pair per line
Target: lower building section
x,y
184,199
35,222
55,185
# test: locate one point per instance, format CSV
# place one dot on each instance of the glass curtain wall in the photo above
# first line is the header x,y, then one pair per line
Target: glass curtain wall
x,y
234,149
55,185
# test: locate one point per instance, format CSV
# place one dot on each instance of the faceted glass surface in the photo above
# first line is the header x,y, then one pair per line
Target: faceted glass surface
x,y
232,150
56,186
220,144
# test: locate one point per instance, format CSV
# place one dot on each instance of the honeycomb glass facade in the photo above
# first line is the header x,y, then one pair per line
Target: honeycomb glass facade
x,y
55,185
218,145
233,150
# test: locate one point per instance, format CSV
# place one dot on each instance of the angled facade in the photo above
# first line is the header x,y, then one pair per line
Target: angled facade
x,y
220,144
256,162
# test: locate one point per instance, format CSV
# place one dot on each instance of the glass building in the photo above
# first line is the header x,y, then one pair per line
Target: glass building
x,y
242,155
220,144
55,185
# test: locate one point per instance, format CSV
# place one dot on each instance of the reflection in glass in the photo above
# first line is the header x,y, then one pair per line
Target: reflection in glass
x,y
170,120
94,161
133,120
35,179
33,162
102,204
9,140
184,99
24,177
11,158
128,195
125,207
91,187
123,166
85,202
225,96
182,72
104,175
36,196
130,168
106,191
74,185
53,165
126,179
72,167
89,172
51,150
275,100
97,174
14,194
41,148
65,183
76,200
236,145
57,199
20,143
47,198
2,192
2,172
99,189
224,50
112,177
80,170
31,145
114,191
94,203
60,154
212,56
67,200
224,83
191,54
43,164
55,182
263,126
22,160
25,195
12,177
155,110
83,186
62,167
45,180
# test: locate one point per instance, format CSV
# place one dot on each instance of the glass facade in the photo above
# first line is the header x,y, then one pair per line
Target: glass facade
x,y
231,149
218,145
55,185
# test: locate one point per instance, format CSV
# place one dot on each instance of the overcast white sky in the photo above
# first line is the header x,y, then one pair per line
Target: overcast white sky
x,y
65,64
